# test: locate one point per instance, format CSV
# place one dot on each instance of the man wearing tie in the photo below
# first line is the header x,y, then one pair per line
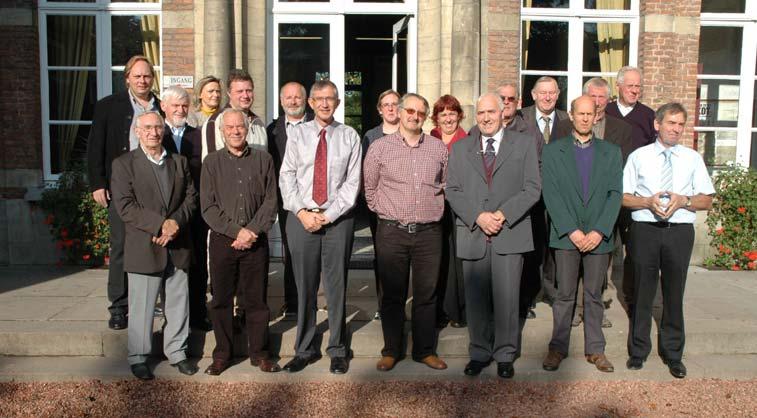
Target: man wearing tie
x,y
492,182
320,182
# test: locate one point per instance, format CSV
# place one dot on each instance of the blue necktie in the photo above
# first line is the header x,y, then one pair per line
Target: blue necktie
x,y
666,177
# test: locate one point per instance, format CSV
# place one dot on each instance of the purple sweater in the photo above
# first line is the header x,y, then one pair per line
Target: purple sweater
x,y
641,119
584,160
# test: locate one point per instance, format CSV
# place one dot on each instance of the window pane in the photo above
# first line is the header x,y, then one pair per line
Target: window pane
x,y
71,40
545,45
608,4
528,81
720,50
135,35
72,94
717,148
546,3
353,109
718,103
67,143
606,46
303,52
753,157
723,6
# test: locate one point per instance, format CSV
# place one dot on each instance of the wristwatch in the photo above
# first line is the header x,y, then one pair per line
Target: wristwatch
x,y
688,201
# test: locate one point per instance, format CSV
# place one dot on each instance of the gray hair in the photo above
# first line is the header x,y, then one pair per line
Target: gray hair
x,y
672,108
293,83
174,92
545,79
415,96
500,103
322,84
228,111
149,112
597,82
622,73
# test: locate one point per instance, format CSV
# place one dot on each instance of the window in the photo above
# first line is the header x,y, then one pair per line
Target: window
x,y
83,48
574,40
726,121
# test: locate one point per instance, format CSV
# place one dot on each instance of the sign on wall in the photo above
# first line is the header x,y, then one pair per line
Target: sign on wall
x,y
185,81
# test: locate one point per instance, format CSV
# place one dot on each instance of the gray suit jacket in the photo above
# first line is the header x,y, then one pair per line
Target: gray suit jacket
x,y
138,201
529,116
515,187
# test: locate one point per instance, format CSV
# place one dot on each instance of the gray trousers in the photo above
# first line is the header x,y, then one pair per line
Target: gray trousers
x,y
492,290
143,292
326,251
568,263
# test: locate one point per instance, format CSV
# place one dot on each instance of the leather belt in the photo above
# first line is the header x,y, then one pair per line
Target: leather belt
x,y
316,210
411,228
664,224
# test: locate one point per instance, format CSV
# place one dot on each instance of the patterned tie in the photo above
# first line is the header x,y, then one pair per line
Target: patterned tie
x,y
489,156
545,133
666,178
320,173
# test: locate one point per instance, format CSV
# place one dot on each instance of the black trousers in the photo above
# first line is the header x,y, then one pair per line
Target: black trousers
x,y
664,252
451,293
398,253
231,270
118,288
290,287
198,272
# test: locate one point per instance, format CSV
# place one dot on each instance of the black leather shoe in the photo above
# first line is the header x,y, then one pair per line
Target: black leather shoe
x,y
118,321
141,371
474,367
185,367
677,369
339,365
298,363
505,369
635,363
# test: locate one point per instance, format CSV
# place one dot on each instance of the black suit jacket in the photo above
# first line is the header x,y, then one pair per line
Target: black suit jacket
x,y
139,203
191,149
617,132
108,137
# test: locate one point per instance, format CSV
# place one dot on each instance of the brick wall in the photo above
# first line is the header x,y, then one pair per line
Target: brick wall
x,y
178,37
502,44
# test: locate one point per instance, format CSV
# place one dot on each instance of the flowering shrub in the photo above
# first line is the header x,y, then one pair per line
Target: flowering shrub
x,y
732,221
79,226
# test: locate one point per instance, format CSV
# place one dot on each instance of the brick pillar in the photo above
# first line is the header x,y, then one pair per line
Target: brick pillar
x,y
669,53
178,37
500,38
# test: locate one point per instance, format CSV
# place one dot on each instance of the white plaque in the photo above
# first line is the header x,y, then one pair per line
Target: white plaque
x,y
185,81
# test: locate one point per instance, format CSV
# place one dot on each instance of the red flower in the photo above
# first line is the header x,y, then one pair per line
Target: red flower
x,y
719,231
85,257
752,265
64,233
726,250
741,209
735,267
752,255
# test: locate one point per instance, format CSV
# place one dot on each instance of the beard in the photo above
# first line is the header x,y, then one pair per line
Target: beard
x,y
295,112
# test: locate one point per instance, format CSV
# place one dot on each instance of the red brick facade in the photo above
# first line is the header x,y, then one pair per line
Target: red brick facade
x,y
503,47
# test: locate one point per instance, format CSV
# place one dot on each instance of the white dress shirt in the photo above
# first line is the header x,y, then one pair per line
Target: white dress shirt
x,y
643,172
497,140
541,122
343,168
177,133
625,110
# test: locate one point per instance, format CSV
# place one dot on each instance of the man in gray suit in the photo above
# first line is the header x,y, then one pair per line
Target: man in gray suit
x,y
154,196
492,182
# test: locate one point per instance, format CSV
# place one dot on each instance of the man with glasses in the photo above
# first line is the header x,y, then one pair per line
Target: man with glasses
x,y
320,181
630,109
404,185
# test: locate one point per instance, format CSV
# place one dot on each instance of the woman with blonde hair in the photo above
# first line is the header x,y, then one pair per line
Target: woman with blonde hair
x,y
207,100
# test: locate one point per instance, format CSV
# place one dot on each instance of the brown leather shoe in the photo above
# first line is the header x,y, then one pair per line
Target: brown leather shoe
x,y
266,365
217,367
434,362
602,363
386,363
552,361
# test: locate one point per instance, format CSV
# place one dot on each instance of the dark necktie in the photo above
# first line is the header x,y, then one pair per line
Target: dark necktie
x,y
489,155
547,129
320,173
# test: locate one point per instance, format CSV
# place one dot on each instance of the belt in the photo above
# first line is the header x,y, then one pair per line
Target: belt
x,y
316,210
664,224
411,228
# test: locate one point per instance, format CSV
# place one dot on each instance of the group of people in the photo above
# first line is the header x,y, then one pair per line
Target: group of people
x,y
528,205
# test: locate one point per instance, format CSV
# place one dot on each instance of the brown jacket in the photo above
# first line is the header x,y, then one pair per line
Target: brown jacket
x,y
138,201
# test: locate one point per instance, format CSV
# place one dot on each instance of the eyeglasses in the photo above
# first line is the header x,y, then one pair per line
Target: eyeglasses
x,y
329,99
508,98
389,105
155,128
410,111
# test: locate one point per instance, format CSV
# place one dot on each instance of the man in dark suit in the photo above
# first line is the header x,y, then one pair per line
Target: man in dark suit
x,y
618,132
153,194
180,138
582,178
112,134
543,117
492,182
292,99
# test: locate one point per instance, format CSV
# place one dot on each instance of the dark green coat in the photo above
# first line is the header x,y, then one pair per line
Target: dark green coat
x,y
563,196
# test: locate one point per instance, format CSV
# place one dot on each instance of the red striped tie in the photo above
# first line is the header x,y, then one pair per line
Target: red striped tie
x,y
320,171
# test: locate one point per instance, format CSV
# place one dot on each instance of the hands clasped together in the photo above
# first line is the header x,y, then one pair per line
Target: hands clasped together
x,y
312,221
168,232
491,222
655,204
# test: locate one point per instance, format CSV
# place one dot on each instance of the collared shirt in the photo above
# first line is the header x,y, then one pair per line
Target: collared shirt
x,y
405,183
177,133
643,172
159,161
541,121
599,128
497,140
138,110
238,191
290,124
343,168
580,144
623,109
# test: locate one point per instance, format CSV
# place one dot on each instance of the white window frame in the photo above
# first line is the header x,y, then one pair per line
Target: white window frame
x,y
576,16
746,78
103,10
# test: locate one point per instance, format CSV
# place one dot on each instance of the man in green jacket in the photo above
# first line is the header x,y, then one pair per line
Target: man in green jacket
x,y
582,189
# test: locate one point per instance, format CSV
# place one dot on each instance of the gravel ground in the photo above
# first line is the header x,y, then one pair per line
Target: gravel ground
x,y
699,398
